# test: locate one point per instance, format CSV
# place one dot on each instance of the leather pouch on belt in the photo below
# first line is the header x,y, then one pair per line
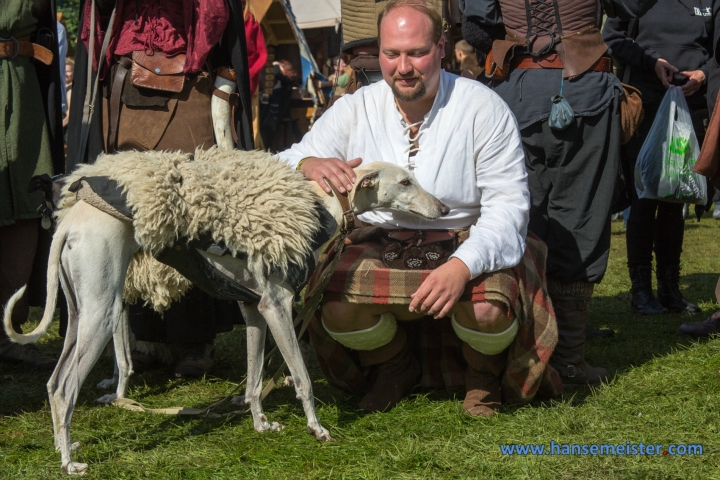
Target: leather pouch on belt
x,y
631,112
497,62
157,71
421,249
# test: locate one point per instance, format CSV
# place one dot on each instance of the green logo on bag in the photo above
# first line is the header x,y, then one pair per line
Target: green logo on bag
x,y
679,146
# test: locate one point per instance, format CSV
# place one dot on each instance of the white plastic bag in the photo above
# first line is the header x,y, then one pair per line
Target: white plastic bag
x,y
664,166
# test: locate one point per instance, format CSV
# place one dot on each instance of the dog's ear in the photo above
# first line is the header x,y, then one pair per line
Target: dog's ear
x,y
369,180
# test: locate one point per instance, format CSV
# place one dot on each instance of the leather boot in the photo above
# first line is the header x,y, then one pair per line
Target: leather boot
x,y
643,301
482,381
398,372
668,279
711,326
571,302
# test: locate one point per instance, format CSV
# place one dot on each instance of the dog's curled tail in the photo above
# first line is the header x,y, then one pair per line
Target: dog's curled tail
x,y
50,301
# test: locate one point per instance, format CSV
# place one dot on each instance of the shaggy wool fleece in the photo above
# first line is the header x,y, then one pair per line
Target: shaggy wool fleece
x,y
251,201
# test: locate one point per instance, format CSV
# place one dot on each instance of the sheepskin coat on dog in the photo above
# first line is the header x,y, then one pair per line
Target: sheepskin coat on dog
x,y
251,201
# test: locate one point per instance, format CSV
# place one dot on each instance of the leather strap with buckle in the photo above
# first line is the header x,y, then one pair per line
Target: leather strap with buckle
x,y
604,64
12,47
348,215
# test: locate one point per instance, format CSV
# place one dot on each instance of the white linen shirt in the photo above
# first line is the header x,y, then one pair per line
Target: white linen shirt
x,y
470,157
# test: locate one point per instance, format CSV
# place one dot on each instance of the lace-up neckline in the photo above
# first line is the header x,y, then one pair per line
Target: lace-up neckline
x,y
413,142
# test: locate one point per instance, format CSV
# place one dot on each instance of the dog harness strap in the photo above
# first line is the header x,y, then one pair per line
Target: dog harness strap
x,y
348,216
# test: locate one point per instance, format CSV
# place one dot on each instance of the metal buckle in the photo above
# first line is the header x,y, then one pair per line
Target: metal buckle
x,y
570,369
16,45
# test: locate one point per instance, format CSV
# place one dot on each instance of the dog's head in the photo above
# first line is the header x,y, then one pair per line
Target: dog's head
x,y
385,185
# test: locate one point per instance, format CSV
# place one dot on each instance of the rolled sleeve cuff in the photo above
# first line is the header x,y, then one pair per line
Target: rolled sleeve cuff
x,y
469,258
291,158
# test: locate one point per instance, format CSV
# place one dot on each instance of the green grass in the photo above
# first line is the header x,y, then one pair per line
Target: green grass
x,y
665,390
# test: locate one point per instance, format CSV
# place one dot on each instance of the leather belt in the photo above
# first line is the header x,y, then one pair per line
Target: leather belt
x,y
12,47
604,64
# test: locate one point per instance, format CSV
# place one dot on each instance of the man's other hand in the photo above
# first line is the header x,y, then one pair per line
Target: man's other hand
x,y
696,78
664,72
441,290
334,170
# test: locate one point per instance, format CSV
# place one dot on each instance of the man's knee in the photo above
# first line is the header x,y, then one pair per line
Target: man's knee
x,y
484,326
490,316
341,316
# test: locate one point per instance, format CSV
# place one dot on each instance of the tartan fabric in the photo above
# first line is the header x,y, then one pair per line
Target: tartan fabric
x,y
360,277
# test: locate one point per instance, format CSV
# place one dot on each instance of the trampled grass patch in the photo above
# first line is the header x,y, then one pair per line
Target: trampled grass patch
x,y
665,391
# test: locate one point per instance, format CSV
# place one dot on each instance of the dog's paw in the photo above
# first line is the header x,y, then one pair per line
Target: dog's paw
x,y
74,468
288,382
238,400
264,426
320,433
107,383
75,446
107,399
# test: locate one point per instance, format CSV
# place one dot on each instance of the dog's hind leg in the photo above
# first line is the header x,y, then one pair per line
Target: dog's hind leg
x,y
256,330
95,260
64,363
123,361
276,307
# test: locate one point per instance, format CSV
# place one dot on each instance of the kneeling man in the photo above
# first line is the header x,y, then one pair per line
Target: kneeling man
x,y
463,145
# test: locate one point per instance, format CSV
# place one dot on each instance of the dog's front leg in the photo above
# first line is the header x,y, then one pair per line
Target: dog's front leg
x,y
276,307
256,330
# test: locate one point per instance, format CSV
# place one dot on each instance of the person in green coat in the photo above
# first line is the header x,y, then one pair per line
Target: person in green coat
x,y
26,149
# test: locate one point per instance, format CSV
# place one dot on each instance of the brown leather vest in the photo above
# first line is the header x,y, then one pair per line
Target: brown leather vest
x,y
576,23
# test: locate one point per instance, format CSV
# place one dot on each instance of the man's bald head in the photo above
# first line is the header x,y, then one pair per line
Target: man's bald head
x,y
419,5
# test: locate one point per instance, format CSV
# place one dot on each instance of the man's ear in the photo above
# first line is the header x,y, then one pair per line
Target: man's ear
x,y
369,180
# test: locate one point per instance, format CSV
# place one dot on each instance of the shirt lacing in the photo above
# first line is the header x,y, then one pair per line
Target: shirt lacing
x,y
413,143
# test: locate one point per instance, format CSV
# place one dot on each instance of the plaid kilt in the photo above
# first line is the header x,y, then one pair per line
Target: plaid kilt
x,y
361,277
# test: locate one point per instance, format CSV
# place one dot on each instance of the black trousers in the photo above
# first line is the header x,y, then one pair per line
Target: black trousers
x,y
572,175
655,225
195,318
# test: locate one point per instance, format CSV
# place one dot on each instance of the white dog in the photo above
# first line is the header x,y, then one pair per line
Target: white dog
x,y
90,255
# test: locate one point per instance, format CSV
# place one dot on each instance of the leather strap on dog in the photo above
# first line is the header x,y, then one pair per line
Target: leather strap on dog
x,y
12,47
348,216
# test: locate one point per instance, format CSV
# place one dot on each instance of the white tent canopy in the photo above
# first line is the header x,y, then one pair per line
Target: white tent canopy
x,y
316,13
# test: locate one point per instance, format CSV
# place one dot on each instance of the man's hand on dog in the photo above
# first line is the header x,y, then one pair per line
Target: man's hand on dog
x,y
441,289
334,170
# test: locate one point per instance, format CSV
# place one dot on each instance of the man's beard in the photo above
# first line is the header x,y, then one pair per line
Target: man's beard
x,y
415,94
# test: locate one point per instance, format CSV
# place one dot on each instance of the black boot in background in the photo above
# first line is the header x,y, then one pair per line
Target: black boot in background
x,y
643,301
668,279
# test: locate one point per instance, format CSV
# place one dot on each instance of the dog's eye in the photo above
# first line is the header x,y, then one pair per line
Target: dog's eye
x,y
405,182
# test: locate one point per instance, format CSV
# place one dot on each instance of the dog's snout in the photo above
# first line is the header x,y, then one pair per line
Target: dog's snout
x,y
444,209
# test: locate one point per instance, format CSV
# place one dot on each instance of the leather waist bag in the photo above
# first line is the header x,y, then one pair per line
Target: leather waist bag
x,y
421,249
158,72
631,112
